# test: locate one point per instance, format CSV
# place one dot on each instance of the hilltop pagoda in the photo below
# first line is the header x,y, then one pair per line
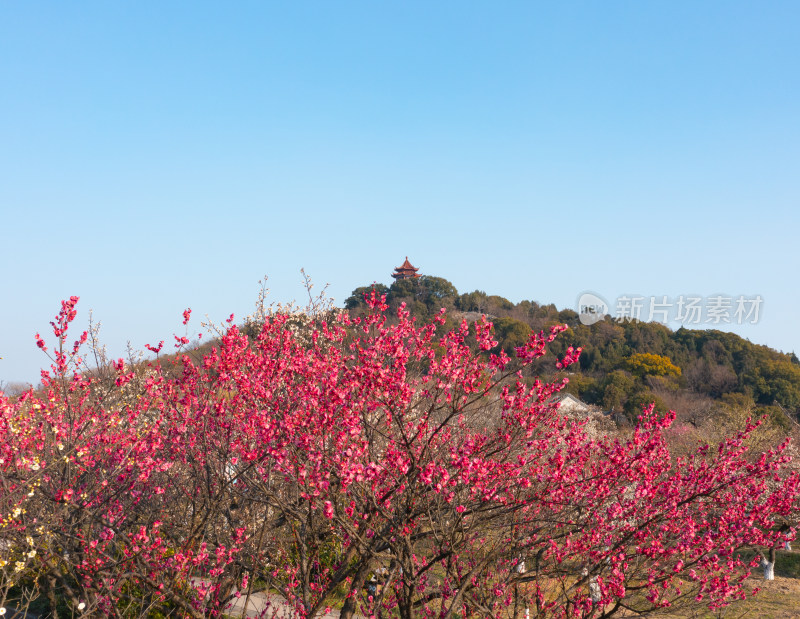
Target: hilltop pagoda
x,y
405,271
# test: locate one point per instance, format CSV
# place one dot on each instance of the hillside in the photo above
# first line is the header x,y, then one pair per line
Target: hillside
x,y
701,374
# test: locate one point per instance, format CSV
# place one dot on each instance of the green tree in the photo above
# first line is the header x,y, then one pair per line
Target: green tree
x,y
476,301
617,388
497,304
356,298
640,399
433,292
511,333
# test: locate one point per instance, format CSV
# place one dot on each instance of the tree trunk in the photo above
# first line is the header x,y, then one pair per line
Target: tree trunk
x,y
50,593
349,609
769,565
594,590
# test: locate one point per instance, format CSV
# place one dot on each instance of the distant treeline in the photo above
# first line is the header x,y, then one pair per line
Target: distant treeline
x,y
624,365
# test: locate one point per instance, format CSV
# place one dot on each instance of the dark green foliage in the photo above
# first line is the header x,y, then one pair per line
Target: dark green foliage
x,y
569,317
498,304
511,333
426,289
616,389
775,380
638,400
356,298
473,302
583,387
423,296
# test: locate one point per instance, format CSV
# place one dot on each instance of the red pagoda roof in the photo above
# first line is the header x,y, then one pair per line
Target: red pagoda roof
x,y
406,265
405,270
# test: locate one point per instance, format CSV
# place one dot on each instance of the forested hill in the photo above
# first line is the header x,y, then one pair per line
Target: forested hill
x,y
624,364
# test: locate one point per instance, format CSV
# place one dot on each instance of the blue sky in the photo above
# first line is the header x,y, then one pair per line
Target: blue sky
x,y
158,156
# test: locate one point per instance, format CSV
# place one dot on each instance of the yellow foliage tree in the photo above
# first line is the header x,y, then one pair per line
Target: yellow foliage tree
x,y
648,364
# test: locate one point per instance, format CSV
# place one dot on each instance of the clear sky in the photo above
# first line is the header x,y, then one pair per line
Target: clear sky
x,y
162,155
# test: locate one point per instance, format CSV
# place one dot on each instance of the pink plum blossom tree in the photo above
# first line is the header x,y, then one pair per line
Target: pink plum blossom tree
x,y
387,468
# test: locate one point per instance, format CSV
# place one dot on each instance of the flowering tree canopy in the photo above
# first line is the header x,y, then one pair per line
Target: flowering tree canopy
x,y
315,457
